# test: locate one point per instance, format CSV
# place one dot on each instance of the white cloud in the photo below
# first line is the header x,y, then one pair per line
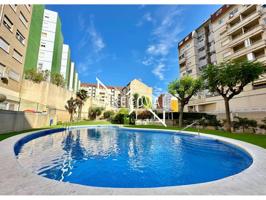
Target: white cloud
x,y
163,39
158,71
147,61
147,17
92,38
158,49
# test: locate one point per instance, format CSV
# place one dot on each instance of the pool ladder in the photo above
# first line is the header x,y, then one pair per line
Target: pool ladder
x,y
195,122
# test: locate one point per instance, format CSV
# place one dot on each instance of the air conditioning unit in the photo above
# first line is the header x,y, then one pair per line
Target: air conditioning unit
x,y
4,77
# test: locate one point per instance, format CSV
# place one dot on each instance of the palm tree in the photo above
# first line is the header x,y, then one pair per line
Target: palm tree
x,y
82,96
71,107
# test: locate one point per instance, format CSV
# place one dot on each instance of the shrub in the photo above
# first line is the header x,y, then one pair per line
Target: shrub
x,y
108,114
123,111
244,123
36,76
145,115
263,126
118,119
58,79
94,112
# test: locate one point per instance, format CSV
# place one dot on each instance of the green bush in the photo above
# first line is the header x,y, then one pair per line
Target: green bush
x,y
244,123
108,114
94,112
145,115
36,76
118,119
58,79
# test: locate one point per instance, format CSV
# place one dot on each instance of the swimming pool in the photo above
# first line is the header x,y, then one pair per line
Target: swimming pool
x,y
125,158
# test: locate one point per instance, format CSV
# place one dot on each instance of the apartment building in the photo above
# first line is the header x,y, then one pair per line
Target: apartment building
x,y
65,63
232,32
134,87
46,48
108,97
14,31
167,102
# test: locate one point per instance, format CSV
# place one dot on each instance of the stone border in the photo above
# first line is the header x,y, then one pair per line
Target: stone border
x,y
15,180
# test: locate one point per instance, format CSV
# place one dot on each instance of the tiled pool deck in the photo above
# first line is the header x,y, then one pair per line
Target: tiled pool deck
x,y
15,180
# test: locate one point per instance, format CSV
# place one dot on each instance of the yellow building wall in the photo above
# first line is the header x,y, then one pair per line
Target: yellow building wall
x,y
174,105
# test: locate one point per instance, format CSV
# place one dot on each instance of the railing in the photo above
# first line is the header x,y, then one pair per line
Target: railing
x,y
195,122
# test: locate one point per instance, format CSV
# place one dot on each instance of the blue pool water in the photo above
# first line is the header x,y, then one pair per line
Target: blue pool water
x,y
124,158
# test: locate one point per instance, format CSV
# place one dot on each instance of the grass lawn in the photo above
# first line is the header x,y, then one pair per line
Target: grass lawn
x,y
7,135
259,140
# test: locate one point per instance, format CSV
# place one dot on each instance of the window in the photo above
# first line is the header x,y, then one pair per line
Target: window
x,y
44,34
4,45
220,21
201,49
20,37
202,58
2,69
14,75
17,56
14,6
23,19
8,24
233,12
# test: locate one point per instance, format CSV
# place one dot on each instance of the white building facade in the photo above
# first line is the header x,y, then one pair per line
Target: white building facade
x,y
45,57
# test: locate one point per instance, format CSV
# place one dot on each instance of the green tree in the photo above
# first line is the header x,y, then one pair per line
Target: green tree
x,y
228,79
58,79
82,96
183,89
108,114
135,99
94,112
71,107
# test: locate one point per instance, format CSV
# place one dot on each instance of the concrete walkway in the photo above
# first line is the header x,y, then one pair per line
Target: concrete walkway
x,y
15,180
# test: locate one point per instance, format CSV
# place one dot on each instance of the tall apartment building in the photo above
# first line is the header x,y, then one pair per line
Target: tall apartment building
x,y
65,63
14,31
51,44
108,97
232,32
46,49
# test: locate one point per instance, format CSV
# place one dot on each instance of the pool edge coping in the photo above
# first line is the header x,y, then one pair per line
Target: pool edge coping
x,y
16,180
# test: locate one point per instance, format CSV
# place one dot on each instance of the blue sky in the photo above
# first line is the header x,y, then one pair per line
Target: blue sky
x,y
118,43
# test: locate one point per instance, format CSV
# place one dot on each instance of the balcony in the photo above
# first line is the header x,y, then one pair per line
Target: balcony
x,y
201,44
182,61
210,38
243,22
212,48
213,58
203,63
202,53
244,51
242,37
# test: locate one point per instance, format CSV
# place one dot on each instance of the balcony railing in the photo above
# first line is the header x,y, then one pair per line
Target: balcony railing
x,y
241,38
243,22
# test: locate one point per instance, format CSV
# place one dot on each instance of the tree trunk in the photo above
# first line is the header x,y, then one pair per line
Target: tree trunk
x,y
227,113
80,110
180,123
71,117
